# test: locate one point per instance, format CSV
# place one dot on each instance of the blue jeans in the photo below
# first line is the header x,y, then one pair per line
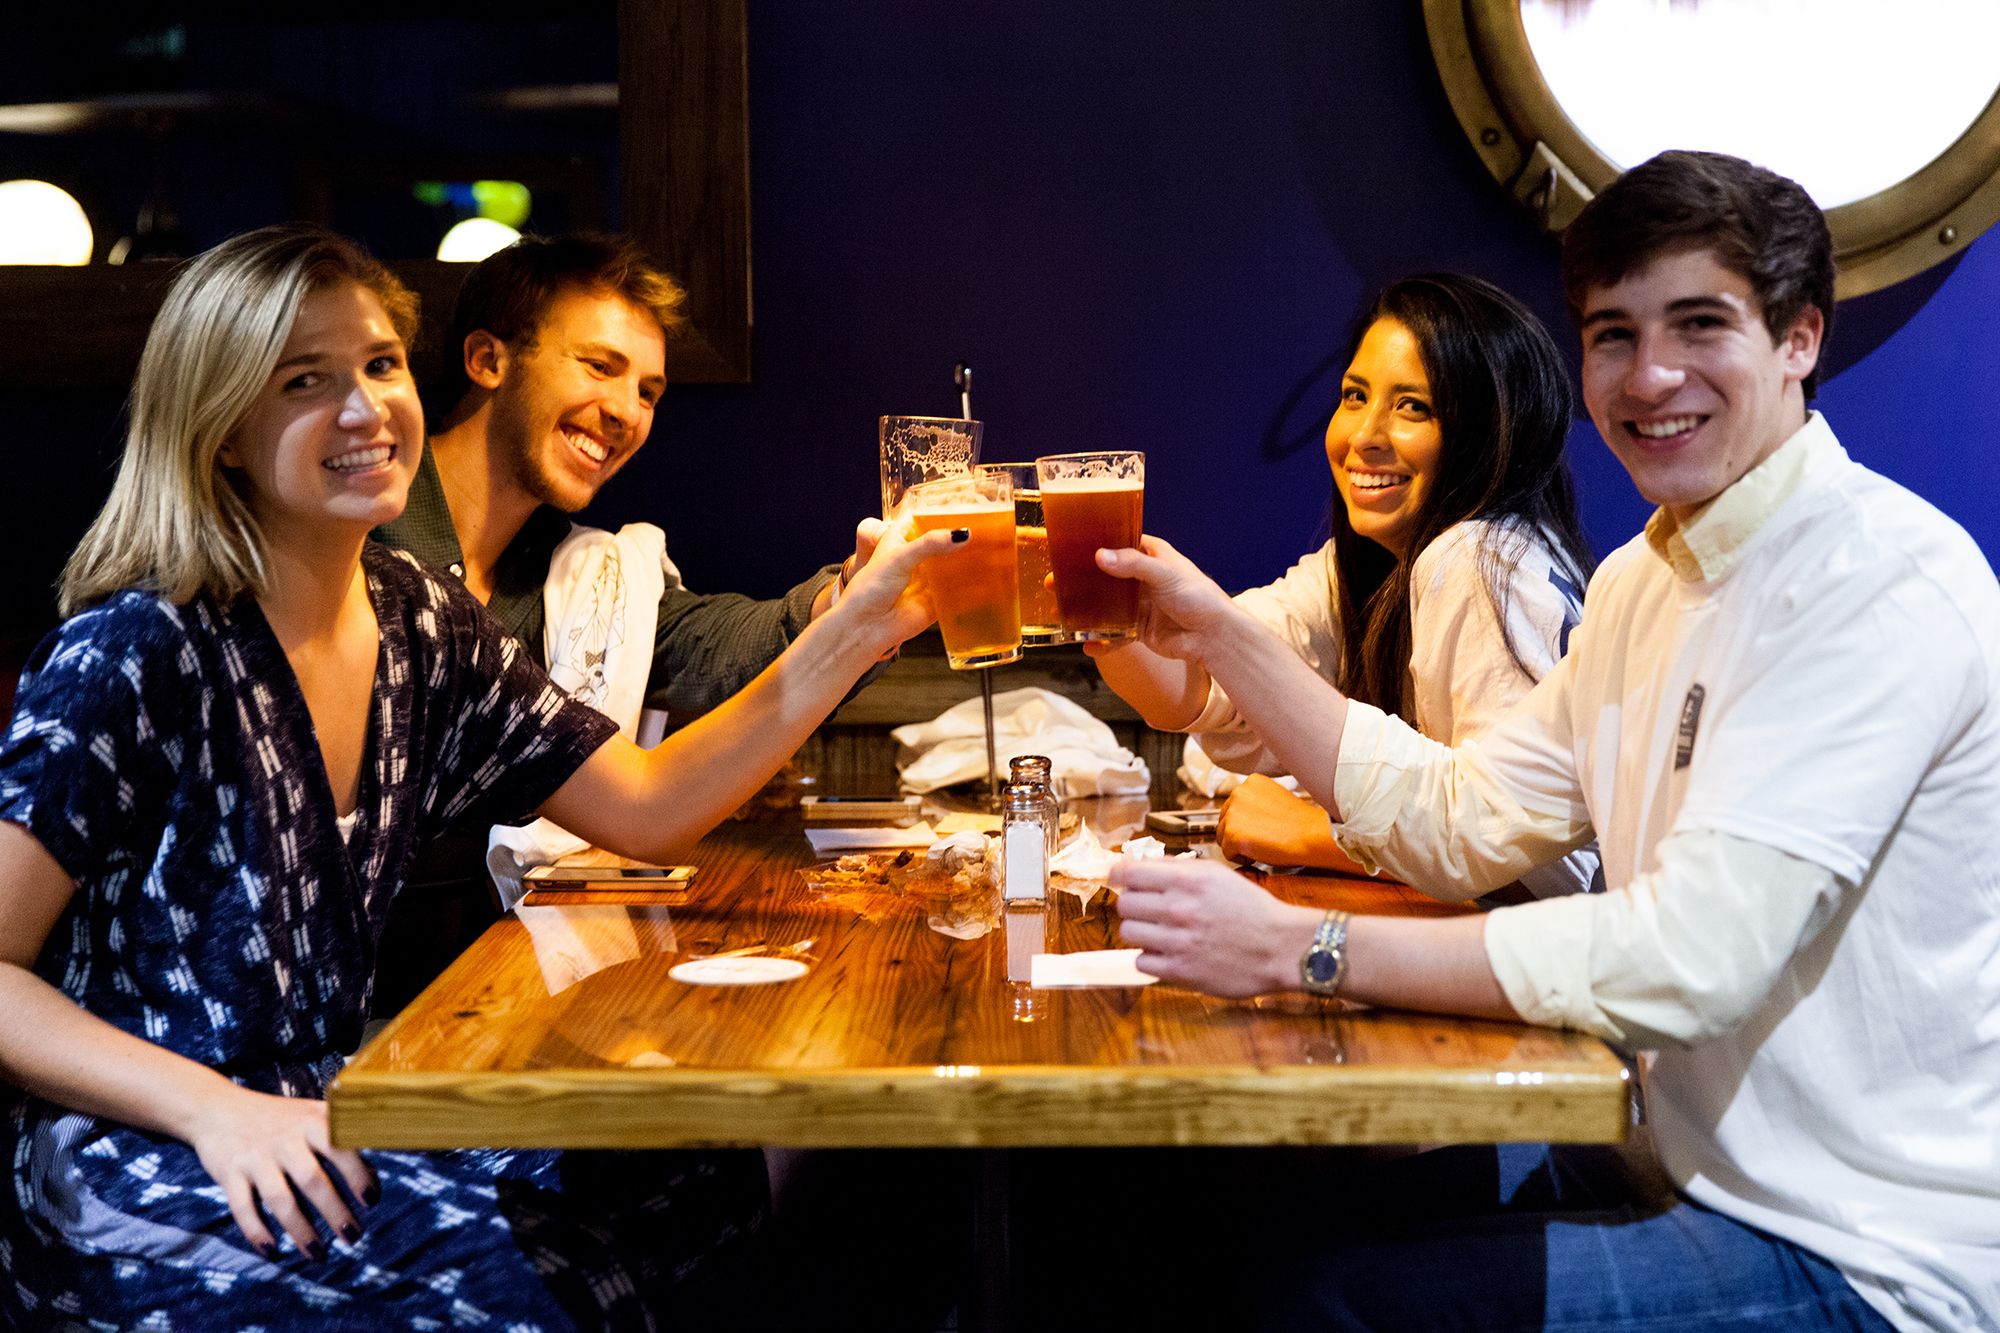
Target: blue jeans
x,y
1534,1237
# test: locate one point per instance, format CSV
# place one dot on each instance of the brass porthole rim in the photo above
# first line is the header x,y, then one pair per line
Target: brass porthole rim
x,y
1493,83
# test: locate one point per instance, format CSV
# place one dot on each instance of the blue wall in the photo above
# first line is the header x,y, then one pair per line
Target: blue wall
x,y
1148,227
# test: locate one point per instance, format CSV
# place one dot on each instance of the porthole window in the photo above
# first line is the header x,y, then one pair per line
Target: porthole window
x,y
1891,123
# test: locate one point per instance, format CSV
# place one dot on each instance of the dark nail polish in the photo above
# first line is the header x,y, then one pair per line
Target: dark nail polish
x,y
961,534
269,1251
372,1195
316,1252
350,1233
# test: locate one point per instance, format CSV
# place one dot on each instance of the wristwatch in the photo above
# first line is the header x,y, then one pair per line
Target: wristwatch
x,y
1324,965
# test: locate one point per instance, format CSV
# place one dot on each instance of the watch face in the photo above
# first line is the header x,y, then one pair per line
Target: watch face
x,y
1322,965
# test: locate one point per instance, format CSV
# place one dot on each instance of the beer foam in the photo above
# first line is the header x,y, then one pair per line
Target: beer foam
x,y
965,509
1079,485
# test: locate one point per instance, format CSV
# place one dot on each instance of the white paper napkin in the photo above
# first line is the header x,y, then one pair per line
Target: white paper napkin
x,y
1095,967
1086,758
1083,857
826,841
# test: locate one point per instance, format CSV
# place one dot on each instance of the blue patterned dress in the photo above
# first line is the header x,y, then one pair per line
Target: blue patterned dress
x,y
164,756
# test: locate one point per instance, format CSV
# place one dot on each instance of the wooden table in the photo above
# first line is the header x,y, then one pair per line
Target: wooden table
x,y
561,1028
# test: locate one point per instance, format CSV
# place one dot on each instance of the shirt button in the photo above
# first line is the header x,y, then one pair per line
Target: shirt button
x,y
458,570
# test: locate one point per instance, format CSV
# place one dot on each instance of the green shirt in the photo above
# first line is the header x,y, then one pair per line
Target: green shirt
x,y
705,647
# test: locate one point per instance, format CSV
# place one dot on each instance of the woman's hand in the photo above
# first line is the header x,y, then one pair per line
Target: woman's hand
x,y
275,1152
1203,925
884,590
1261,821
1179,605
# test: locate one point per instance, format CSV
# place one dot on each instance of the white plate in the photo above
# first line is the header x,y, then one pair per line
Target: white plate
x,y
737,971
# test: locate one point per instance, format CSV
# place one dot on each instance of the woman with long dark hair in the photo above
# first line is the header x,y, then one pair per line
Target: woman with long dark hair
x,y
1456,567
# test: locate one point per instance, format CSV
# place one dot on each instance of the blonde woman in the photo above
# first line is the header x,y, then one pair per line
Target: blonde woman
x,y
217,774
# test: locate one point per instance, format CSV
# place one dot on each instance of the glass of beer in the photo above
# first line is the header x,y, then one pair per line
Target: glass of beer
x,y
974,586
920,449
1091,501
1041,622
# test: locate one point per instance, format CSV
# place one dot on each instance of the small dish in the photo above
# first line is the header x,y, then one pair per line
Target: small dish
x,y
755,970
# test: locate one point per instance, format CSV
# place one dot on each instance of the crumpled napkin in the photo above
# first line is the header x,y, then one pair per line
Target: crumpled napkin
x,y
955,849
1083,856
1084,862
1085,757
1080,865
511,852
1201,774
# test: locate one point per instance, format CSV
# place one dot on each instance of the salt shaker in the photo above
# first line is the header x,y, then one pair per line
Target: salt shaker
x,y
1024,845
1036,769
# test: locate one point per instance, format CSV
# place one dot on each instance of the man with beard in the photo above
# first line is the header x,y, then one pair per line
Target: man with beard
x,y
558,362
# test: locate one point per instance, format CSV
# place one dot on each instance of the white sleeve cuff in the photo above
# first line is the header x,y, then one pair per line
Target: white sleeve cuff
x,y
1540,955
1377,752
1218,714
1446,821
1680,955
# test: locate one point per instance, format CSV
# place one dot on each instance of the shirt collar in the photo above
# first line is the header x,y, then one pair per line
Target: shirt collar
x,y
424,530
424,527
1710,543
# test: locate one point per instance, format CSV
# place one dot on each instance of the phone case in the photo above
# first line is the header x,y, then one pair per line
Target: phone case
x,y
819,809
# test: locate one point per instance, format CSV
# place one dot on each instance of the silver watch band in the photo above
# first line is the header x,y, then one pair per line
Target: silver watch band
x,y
1324,964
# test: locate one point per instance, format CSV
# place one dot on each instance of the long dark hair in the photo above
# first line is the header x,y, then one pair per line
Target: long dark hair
x,y
1501,396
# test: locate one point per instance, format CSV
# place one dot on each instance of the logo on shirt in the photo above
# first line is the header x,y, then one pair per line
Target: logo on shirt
x,y
1690,723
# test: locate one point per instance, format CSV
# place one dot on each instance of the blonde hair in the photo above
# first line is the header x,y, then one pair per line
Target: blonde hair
x,y
178,522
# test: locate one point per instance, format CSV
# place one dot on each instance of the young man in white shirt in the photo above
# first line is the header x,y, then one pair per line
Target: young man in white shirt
x,y
1781,720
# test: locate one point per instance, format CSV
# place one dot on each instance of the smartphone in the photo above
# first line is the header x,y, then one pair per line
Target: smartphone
x,y
891,806
1184,823
610,877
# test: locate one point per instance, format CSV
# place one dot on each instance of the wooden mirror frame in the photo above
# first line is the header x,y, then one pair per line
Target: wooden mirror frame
x,y
1531,146
684,145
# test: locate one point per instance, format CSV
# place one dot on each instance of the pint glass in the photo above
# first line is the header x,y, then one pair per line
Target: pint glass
x,y
1091,501
975,586
1041,622
920,449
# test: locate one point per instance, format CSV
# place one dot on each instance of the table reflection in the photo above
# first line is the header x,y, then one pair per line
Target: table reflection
x,y
573,942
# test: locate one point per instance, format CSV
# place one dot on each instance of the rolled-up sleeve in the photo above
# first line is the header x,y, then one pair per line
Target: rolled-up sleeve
x,y
1652,964
1457,822
1648,964
1299,609
708,646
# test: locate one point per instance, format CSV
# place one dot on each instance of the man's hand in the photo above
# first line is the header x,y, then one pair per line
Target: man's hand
x,y
1203,925
274,1152
1179,606
1261,821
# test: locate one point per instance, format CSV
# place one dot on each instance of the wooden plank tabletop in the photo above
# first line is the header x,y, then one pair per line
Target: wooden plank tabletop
x,y
561,1028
